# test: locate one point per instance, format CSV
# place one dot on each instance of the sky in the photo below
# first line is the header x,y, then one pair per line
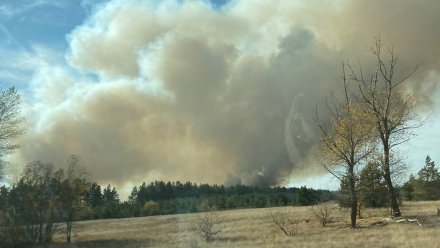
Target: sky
x,y
220,92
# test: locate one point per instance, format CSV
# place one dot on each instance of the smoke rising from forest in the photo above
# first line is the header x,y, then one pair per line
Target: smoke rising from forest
x,y
183,91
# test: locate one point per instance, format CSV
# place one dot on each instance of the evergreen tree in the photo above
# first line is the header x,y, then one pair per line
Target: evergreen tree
x,y
428,184
307,196
110,195
408,188
344,196
429,173
94,196
110,208
372,186
371,189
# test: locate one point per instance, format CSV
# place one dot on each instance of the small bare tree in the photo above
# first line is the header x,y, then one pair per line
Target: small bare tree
x,y
285,224
322,213
391,109
208,225
72,191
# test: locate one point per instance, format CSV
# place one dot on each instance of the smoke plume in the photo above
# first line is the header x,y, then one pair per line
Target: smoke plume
x,y
183,91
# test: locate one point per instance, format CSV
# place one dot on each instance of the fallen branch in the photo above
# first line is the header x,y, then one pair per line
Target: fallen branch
x,y
378,223
409,220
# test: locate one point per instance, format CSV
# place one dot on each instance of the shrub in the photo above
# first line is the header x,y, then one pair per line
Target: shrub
x,y
285,224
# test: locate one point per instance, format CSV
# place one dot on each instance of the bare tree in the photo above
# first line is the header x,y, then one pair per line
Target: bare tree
x,y
390,107
73,189
322,213
11,123
207,224
347,138
285,224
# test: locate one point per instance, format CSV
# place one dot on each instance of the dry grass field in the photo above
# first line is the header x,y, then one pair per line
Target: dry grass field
x,y
249,228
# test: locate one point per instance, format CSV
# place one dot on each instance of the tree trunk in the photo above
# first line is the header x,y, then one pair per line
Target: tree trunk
x,y
68,231
353,197
49,225
48,232
393,197
40,231
391,193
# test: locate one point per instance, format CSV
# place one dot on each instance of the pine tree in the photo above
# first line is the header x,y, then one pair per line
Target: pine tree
x,y
94,196
409,188
372,187
429,181
110,195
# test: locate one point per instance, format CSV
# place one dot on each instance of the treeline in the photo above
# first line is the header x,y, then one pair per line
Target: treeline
x,y
158,198
424,186
45,200
176,197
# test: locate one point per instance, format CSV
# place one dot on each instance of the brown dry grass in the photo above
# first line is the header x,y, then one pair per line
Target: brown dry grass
x,y
248,228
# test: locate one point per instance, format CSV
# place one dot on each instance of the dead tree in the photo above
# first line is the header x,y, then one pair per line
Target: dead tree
x,y
285,224
392,110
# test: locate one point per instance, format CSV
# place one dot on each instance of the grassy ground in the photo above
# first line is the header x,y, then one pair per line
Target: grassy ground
x,y
248,228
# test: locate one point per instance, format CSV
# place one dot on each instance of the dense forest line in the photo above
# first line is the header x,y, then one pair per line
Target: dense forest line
x,y
45,198
155,198
175,197
33,208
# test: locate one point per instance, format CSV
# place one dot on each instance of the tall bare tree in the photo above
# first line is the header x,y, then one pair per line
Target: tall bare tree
x,y
11,123
347,139
72,193
391,108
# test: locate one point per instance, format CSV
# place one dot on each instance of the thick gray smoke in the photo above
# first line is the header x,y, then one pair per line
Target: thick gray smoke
x,y
181,91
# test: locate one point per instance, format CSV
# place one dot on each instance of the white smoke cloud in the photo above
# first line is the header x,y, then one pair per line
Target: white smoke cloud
x,y
185,92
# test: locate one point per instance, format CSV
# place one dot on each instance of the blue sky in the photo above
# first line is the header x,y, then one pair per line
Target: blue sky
x,y
26,25
38,36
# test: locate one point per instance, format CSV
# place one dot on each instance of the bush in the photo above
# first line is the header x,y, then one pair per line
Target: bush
x,y
322,213
207,224
285,224
151,207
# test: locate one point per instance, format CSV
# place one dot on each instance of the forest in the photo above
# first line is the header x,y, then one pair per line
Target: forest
x,y
44,197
